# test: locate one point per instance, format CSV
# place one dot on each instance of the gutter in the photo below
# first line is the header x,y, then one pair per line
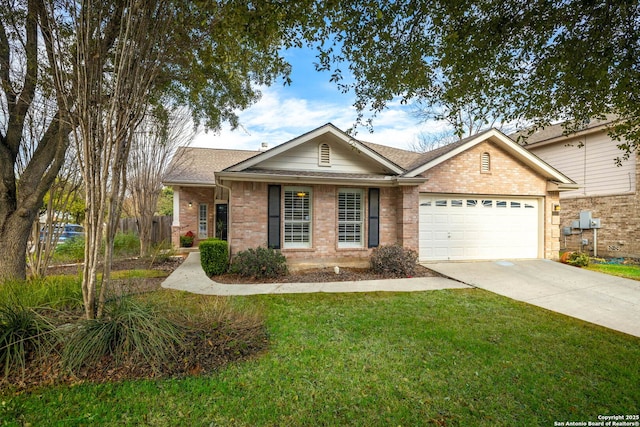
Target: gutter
x,y
383,181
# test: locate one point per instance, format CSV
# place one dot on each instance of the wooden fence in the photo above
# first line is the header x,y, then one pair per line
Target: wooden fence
x,y
160,232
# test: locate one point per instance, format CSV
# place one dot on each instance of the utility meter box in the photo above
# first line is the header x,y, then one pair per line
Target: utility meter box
x,y
566,231
595,223
585,220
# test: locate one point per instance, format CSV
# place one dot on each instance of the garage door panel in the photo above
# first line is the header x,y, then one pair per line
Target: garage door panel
x,y
467,227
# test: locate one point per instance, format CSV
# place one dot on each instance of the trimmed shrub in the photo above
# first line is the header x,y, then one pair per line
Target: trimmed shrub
x,y
260,263
578,259
214,256
394,260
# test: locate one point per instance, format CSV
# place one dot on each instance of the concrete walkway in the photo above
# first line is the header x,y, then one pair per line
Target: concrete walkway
x,y
191,278
605,300
602,299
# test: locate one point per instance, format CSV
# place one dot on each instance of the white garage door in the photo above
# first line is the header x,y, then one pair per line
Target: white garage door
x,y
473,227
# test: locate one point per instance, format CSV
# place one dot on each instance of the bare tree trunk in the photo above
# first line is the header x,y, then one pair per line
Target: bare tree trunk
x,y
145,228
114,210
113,90
13,243
21,199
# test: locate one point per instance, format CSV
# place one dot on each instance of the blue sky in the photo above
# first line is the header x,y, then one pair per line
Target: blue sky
x,y
285,112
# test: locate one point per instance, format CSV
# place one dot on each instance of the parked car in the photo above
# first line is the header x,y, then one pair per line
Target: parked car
x,y
63,232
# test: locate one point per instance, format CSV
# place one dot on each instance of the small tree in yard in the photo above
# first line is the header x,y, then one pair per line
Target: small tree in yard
x,y
111,60
153,146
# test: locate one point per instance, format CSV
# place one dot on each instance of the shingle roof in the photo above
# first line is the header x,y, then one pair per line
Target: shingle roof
x,y
192,165
400,157
555,131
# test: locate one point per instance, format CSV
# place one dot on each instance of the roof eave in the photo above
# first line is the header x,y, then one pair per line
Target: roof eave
x,y
176,183
506,143
382,181
564,137
561,186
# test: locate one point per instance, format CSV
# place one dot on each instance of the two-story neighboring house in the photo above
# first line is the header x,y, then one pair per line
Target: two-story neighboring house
x,y
602,216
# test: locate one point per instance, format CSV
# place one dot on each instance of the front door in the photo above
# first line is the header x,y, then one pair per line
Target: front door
x,y
222,220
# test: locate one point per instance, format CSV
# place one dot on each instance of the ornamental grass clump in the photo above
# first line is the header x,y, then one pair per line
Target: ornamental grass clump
x,y
130,331
24,335
394,260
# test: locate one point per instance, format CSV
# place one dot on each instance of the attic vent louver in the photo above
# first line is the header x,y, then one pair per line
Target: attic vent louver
x,y
324,155
485,163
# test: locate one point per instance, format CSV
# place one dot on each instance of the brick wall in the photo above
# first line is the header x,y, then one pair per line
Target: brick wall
x,y
248,229
619,235
620,232
247,215
461,174
507,176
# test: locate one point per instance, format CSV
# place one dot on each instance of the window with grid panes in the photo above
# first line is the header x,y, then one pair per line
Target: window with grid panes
x,y
203,229
350,218
297,217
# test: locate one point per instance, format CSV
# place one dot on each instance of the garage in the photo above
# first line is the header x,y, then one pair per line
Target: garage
x,y
470,227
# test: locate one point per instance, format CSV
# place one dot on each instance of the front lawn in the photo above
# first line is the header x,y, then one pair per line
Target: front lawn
x,y
454,358
628,271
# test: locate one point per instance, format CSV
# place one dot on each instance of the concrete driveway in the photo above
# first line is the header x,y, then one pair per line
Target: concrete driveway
x,y
598,298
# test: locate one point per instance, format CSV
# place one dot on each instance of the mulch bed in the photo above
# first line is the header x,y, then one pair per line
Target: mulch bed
x,y
321,275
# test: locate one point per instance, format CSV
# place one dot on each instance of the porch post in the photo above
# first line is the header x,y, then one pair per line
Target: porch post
x,y
175,225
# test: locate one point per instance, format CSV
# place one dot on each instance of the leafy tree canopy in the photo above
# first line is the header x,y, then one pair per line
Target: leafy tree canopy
x,y
534,60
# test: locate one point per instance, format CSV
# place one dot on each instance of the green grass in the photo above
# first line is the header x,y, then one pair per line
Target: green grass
x,y
629,271
57,292
137,274
455,358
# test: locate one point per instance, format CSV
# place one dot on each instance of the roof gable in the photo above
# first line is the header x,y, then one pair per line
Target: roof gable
x,y
301,154
442,154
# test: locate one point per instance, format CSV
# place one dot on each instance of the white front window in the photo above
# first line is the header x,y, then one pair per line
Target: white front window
x,y
350,218
297,217
202,221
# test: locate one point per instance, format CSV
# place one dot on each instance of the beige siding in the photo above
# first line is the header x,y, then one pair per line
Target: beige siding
x,y
305,157
592,166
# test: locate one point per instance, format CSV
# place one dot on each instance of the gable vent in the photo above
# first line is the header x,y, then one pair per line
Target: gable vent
x,y
324,155
485,163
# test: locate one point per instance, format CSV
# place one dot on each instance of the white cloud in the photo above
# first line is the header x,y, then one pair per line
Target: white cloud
x,y
277,118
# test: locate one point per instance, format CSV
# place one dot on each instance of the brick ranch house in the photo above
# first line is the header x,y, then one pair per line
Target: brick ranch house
x,y
325,198
607,192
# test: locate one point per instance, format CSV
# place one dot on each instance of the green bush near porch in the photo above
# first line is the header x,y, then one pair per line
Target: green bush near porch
x,y
214,256
260,263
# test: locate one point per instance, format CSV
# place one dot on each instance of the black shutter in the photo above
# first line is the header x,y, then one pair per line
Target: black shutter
x,y
374,217
273,228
